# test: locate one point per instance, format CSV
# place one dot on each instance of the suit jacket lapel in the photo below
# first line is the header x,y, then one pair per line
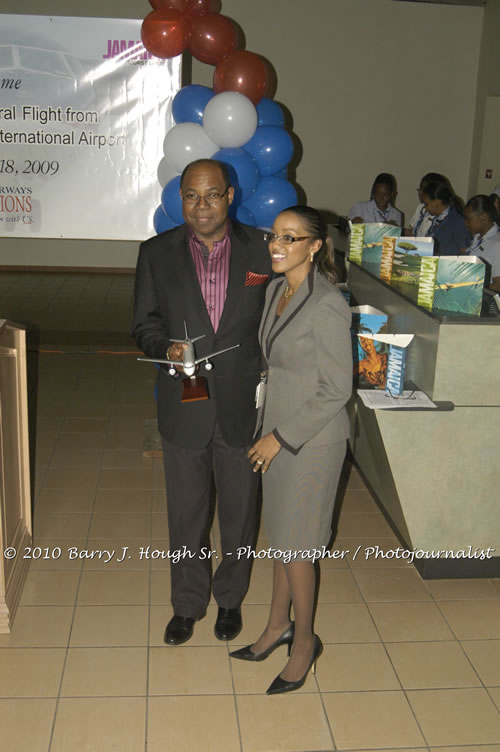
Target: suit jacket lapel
x,y
268,318
293,308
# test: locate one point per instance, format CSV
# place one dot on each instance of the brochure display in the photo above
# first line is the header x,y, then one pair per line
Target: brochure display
x,y
366,320
396,252
378,357
452,283
443,283
366,241
383,363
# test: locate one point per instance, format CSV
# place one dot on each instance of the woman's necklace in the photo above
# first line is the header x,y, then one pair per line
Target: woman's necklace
x,y
289,293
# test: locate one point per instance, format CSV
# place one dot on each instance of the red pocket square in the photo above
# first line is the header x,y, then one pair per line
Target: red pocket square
x,y
253,279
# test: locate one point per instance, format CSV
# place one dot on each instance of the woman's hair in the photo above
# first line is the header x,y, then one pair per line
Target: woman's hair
x,y
317,227
495,200
482,204
432,177
441,190
384,179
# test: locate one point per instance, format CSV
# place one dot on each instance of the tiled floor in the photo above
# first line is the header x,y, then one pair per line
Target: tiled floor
x,y
407,664
68,306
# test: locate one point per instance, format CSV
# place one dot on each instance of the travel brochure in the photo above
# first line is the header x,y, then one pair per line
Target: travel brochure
x,y
379,358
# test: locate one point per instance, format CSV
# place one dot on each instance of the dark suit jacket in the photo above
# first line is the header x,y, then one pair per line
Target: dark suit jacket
x,y
451,235
167,293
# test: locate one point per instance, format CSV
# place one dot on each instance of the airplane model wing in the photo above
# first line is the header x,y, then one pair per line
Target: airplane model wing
x,y
212,355
180,362
162,360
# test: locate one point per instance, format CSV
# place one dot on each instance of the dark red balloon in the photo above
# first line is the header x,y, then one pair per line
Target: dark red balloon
x,y
165,32
180,5
244,72
197,7
212,37
272,78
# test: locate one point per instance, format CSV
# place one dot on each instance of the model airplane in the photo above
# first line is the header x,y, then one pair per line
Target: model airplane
x,y
189,361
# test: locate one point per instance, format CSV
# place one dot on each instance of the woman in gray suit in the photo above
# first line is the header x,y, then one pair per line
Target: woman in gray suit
x,y
306,343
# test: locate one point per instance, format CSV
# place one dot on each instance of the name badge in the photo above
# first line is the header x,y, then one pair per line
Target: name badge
x,y
260,392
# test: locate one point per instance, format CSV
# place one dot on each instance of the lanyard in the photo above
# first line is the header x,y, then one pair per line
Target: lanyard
x,y
419,221
436,221
474,246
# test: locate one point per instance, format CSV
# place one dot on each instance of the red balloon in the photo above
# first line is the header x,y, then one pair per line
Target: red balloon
x,y
244,72
180,5
212,37
272,78
197,7
165,32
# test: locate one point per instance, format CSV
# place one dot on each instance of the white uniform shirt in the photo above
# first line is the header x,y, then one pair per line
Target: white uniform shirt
x,y
369,212
487,248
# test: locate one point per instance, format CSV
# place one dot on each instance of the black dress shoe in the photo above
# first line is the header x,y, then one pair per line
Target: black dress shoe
x,y
280,685
247,654
228,623
179,629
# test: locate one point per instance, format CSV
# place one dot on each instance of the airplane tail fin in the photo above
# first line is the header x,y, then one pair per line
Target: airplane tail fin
x,y
187,338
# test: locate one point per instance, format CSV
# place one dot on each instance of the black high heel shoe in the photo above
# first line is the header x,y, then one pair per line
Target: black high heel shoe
x,y
245,654
280,685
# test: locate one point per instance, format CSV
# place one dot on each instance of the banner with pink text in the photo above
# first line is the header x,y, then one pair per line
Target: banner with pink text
x,y
84,110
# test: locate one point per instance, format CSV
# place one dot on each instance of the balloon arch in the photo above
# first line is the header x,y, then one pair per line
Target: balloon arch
x,y
235,122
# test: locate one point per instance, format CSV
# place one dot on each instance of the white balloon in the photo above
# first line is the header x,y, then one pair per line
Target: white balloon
x,y
186,142
230,119
165,172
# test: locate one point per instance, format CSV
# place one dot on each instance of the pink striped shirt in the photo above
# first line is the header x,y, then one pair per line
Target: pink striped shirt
x,y
212,270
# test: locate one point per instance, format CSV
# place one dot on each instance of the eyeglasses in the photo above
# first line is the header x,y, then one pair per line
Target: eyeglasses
x,y
269,237
212,198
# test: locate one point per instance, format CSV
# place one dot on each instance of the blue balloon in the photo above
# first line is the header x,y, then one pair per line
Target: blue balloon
x,y
272,149
270,113
273,195
161,221
171,200
245,167
282,174
190,102
245,216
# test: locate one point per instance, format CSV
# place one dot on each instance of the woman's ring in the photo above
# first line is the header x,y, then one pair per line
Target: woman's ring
x,y
260,462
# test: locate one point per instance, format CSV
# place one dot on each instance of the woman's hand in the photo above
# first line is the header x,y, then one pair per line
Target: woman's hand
x,y
263,452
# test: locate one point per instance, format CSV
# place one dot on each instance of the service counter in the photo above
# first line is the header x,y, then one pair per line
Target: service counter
x,y
436,473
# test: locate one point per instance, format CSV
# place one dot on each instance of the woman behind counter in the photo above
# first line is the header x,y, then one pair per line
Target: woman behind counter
x,y
447,227
421,219
379,208
481,219
305,340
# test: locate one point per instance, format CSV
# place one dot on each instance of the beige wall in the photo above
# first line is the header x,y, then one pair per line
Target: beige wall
x,y
488,85
371,85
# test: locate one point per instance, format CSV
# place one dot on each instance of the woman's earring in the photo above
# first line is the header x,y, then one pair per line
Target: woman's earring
x,y
312,257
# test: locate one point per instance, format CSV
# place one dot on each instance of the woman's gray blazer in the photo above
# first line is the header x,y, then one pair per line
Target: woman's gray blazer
x,y
308,355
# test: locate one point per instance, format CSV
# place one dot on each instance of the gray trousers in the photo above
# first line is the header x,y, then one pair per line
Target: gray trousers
x,y
188,474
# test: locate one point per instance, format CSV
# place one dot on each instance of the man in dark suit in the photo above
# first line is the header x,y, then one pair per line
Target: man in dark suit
x,y
210,273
